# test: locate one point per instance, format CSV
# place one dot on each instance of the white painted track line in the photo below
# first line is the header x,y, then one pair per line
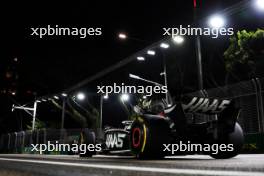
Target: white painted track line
x,y
140,169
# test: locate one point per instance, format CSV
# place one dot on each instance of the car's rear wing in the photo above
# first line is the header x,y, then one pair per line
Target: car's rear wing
x,y
225,110
204,105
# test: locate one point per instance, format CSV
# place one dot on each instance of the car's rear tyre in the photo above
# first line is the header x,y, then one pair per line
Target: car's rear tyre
x,y
86,137
148,136
236,138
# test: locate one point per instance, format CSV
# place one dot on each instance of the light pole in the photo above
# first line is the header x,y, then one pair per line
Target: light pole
x,y
63,112
142,79
102,97
198,51
27,109
165,77
64,98
165,46
169,102
215,21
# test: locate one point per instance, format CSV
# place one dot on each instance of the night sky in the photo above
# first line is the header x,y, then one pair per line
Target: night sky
x,y
53,64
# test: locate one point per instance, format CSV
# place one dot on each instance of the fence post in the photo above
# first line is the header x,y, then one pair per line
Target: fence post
x,y
8,144
15,145
23,141
37,136
257,104
261,112
44,136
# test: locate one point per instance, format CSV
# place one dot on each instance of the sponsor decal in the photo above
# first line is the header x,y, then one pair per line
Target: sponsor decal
x,y
115,140
206,105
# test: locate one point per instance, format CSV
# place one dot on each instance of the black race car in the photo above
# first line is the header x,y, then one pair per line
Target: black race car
x,y
155,134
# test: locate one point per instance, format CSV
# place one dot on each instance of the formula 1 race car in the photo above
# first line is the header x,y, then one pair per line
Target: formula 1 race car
x,y
155,134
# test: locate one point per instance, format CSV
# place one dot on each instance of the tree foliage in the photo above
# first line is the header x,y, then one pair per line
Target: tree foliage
x,y
246,48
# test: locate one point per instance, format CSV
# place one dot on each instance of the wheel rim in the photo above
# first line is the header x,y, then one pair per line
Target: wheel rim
x,y
136,137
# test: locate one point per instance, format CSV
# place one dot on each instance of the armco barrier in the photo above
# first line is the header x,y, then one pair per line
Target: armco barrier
x,y
20,142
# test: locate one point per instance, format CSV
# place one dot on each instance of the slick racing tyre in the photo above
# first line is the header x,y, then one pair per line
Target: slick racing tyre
x,y
236,138
86,137
148,136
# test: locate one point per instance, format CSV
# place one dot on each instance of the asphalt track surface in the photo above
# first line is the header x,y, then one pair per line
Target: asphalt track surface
x,y
66,165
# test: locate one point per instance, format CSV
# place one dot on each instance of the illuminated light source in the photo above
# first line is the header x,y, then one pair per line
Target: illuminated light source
x,y
151,52
64,94
124,97
144,97
178,39
106,96
44,100
164,45
38,101
259,4
56,97
122,36
162,73
216,21
140,58
80,96
13,93
133,76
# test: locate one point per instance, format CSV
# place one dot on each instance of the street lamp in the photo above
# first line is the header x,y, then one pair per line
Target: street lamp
x,y
56,97
178,39
145,80
216,21
140,58
124,97
155,83
122,36
164,45
151,52
102,98
28,109
80,96
134,76
259,4
64,94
